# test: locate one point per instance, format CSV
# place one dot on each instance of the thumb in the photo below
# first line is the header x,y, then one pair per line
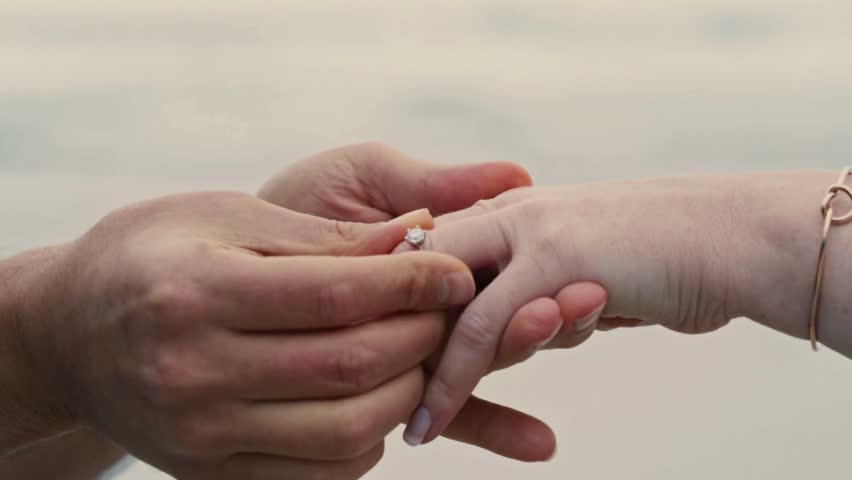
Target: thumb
x,y
409,184
444,189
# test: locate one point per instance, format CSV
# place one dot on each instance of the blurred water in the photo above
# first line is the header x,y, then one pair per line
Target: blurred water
x,y
105,103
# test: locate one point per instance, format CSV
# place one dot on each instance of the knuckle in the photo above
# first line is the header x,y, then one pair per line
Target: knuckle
x,y
355,368
171,295
224,199
419,277
475,331
441,389
515,195
418,284
195,435
376,151
333,301
170,379
505,199
533,206
122,215
345,231
169,367
485,205
415,386
367,154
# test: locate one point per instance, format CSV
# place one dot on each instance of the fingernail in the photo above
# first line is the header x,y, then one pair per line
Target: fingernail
x,y
412,219
589,320
553,335
418,427
457,289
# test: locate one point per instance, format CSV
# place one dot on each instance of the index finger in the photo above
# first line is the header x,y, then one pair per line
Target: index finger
x,y
296,293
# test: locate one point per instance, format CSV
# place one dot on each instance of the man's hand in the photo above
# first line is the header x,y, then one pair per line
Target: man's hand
x,y
215,334
374,182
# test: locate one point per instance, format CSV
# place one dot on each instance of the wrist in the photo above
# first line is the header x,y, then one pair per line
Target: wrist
x,y
781,229
32,406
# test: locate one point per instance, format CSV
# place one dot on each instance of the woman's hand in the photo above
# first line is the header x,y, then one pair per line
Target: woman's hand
x,y
689,254
374,182
215,334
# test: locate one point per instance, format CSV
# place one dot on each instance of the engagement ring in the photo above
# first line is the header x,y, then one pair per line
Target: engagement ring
x,y
416,236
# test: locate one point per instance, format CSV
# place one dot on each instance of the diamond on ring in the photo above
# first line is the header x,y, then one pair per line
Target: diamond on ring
x,y
416,236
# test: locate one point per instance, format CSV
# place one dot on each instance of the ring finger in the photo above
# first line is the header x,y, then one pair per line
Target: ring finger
x,y
328,364
329,429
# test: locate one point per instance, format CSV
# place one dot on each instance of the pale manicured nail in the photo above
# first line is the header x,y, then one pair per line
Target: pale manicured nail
x,y
586,322
412,219
457,288
553,335
418,427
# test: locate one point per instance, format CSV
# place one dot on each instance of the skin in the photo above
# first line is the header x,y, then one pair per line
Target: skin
x,y
203,333
43,423
375,182
689,254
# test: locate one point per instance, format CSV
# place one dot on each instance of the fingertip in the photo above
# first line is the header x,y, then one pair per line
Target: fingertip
x,y
459,288
458,187
503,430
506,175
532,439
523,438
543,322
417,218
580,300
450,282
436,423
418,426
542,442
520,176
532,327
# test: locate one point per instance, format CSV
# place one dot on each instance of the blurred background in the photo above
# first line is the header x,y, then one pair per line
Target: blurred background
x,y
104,103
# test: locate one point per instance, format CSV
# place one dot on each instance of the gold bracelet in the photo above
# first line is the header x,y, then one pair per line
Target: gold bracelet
x,y
828,220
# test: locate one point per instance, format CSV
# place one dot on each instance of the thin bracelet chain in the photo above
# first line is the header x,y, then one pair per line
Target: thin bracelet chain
x,y
829,220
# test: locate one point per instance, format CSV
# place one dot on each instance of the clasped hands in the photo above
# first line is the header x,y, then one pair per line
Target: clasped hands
x,y
222,335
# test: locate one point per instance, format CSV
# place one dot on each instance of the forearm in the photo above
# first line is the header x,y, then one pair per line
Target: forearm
x,y
773,252
29,410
